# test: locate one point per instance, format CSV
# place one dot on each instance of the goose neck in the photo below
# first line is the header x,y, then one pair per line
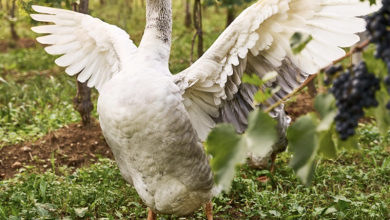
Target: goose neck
x,y
158,28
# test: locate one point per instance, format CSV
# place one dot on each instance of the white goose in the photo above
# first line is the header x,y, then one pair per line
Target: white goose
x,y
154,121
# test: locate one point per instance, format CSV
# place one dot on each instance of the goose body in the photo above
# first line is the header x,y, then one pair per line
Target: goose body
x,y
169,169
155,122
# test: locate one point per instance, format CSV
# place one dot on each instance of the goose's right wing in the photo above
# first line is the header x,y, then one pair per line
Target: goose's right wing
x,y
97,49
257,42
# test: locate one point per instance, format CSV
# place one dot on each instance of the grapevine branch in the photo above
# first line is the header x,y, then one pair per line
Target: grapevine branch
x,y
358,48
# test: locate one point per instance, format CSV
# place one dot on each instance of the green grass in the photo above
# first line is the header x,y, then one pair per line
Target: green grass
x,y
38,99
353,186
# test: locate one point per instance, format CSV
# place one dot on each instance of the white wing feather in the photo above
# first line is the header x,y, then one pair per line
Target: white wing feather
x,y
258,42
96,49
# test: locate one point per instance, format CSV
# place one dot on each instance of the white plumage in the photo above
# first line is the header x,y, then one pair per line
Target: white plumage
x,y
155,122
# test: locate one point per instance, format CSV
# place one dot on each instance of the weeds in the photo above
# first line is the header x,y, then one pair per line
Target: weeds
x,y
37,98
354,186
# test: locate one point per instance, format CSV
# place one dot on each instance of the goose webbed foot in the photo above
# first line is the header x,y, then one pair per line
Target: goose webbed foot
x,y
151,215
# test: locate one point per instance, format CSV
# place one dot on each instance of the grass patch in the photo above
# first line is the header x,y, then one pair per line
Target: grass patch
x,y
353,186
38,99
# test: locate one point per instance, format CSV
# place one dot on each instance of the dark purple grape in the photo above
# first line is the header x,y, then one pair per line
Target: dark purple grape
x,y
331,72
378,26
353,91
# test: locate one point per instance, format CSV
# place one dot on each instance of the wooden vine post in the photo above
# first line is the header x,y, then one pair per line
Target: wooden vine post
x,y
14,35
187,19
82,101
199,29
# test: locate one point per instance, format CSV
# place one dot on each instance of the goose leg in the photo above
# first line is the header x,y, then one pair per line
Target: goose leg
x,y
273,158
151,215
265,179
209,210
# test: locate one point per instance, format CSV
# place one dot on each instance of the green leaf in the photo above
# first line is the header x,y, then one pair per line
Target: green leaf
x,y
306,172
327,147
80,212
299,41
261,133
342,202
274,213
350,144
381,114
327,122
3,80
260,97
372,2
252,79
2,212
386,163
42,212
324,104
303,142
227,150
42,188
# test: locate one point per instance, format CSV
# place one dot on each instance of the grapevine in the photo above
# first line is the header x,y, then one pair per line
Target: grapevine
x,y
353,90
378,26
331,72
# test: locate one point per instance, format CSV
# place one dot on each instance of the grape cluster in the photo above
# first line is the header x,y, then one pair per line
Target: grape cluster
x,y
331,72
378,26
354,90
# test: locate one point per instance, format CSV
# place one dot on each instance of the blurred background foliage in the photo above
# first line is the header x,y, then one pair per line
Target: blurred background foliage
x,y
32,86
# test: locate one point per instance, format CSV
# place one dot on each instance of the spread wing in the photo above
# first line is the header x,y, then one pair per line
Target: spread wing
x,y
257,42
97,49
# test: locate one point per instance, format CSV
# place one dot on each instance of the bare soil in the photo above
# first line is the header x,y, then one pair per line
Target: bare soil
x,y
5,45
76,147
71,145
302,105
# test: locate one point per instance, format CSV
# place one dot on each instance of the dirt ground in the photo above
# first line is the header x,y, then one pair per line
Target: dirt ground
x,y
5,45
77,147
301,105
70,145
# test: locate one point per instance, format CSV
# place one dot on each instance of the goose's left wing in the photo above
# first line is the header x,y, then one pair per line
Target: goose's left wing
x,y
96,49
258,42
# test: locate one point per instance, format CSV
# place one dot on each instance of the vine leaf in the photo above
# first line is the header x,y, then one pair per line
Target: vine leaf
x,y
381,114
327,147
299,41
252,79
350,144
325,105
227,150
261,133
303,142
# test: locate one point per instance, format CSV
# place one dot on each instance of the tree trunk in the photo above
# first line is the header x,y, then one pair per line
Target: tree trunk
x,y
102,2
82,102
187,20
230,15
14,35
198,26
216,8
129,8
